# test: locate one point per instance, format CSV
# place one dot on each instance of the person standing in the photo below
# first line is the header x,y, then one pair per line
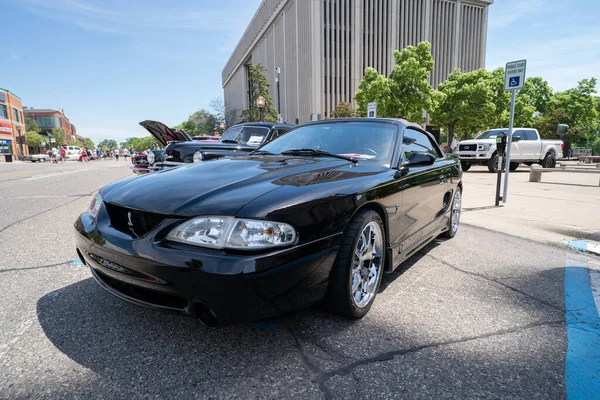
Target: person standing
x,y
117,154
63,154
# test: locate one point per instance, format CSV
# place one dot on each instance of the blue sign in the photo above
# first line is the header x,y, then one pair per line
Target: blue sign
x,y
515,81
371,114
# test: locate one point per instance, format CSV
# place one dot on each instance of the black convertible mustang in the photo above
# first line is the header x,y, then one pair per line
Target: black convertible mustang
x,y
319,213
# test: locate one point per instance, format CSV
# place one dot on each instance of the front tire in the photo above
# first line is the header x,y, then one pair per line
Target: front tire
x,y
465,166
456,208
358,269
513,166
493,164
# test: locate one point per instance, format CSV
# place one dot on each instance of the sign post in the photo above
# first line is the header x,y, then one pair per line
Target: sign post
x,y
514,79
372,110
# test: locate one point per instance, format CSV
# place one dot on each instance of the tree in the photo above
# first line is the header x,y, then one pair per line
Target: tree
x,y
34,139
73,141
465,103
108,144
59,135
580,106
140,144
31,125
199,123
546,124
343,110
224,114
88,143
258,85
538,92
406,92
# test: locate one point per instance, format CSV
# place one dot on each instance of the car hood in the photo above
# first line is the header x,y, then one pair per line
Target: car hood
x,y
164,134
478,141
224,186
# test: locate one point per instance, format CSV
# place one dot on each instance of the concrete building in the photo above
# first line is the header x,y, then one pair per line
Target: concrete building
x,y
48,119
323,47
11,124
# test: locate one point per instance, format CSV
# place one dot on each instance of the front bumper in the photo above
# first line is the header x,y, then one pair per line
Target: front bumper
x,y
474,156
159,166
140,170
187,280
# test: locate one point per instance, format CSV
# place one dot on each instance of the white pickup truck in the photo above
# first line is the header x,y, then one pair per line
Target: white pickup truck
x,y
528,149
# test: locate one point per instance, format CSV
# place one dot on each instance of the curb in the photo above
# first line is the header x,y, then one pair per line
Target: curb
x,y
586,246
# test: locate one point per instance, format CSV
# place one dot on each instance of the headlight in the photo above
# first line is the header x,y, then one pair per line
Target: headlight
x,y
150,158
484,147
232,233
95,206
198,156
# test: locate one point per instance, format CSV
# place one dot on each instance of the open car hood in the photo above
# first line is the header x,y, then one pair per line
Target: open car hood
x,y
164,134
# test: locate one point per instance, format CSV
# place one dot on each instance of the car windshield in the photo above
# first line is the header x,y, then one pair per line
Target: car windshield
x,y
490,134
365,141
250,135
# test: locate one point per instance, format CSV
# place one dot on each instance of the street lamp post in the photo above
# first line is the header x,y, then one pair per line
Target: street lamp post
x,y
278,72
20,141
260,103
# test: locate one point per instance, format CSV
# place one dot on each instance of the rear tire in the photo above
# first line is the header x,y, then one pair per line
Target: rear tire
x,y
549,161
465,166
455,210
513,166
358,268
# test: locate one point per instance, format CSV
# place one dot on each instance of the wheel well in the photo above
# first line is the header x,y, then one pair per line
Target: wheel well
x,y
550,153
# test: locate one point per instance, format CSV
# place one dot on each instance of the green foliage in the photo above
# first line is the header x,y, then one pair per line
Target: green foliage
x,y
73,141
108,144
31,125
596,146
140,144
59,135
343,110
88,143
538,94
199,123
546,124
258,85
581,109
467,102
406,92
34,139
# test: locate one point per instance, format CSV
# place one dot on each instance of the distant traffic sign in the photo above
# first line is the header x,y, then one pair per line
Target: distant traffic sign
x,y
372,110
514,75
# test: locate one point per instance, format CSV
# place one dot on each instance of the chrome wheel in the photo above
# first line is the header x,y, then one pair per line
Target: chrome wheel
x,y
367,265
456,204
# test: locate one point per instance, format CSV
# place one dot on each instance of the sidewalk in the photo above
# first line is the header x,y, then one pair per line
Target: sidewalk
x,y
562,208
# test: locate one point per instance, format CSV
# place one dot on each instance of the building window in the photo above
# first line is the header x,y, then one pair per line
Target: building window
x,y
48,122
3,112
16,115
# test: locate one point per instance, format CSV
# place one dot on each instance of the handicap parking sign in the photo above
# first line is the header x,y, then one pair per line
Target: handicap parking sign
x,y
515,81
371,114
514,75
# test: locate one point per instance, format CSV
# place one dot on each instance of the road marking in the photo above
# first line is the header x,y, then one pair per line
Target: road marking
x,y
48,176
582,369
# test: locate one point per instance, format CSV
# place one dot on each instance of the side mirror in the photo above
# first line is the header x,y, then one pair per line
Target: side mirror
x,y
417,159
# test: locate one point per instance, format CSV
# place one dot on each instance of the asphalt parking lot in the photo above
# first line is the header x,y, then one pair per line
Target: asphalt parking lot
x,y
480,316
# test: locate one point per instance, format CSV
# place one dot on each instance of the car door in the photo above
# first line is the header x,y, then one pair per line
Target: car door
x,y
518,149
425,190
534,145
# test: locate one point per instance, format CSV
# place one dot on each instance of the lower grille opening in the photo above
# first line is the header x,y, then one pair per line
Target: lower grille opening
x,y
142,294
132,222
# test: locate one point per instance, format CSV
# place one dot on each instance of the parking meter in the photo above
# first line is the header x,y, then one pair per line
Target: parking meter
x,y
501,149
501,144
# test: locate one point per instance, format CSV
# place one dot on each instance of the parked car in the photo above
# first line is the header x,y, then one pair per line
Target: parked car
x,y
319,213
73,152
142,161
528,149
37,157
206,139
237,140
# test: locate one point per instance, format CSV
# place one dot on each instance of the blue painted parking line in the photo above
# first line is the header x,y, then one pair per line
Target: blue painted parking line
x,y
77,261
582,371
587,246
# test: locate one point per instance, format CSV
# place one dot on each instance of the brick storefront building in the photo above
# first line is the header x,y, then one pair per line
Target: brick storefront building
x,y
11,123
48,119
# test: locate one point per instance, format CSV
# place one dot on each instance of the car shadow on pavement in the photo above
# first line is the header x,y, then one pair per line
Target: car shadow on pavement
x,y
444,348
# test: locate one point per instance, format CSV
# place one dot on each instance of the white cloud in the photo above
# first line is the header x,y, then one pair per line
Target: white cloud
x,y
15,56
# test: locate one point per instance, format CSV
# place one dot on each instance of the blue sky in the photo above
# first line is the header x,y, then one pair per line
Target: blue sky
x,y
113,63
